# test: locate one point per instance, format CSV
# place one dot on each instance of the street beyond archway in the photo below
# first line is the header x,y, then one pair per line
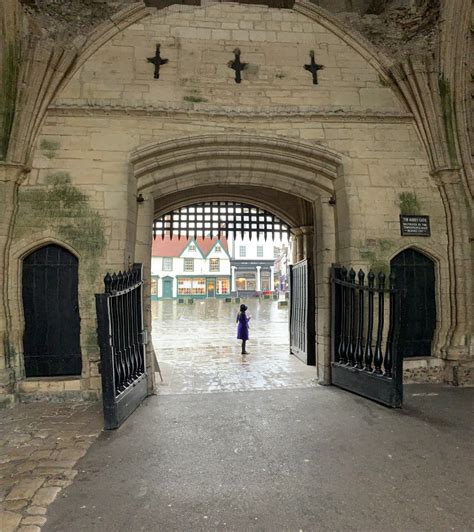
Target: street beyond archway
x,y
198,351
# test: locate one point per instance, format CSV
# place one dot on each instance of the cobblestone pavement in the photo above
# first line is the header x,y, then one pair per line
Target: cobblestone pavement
x,y
40,444
198,351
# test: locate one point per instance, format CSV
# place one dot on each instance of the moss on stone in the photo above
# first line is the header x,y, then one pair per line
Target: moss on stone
x,y
194,99
58,178
49,147
376,258
65,210
408,203
380,266
9,350
367,255
385,245
8,85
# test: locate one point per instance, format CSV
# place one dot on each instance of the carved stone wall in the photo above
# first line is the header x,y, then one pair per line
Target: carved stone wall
x,y
94,128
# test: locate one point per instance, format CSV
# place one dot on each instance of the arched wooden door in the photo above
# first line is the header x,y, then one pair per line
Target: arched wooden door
x,y
50,302
415,273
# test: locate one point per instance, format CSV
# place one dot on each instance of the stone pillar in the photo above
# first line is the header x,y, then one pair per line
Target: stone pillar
x,y
307,238
325,236
458,347
293,248
272,278
259,279
232,285
11,175
298,248
143,245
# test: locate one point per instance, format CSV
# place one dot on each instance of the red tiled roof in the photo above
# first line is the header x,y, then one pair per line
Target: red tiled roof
x,y
168,247
173,247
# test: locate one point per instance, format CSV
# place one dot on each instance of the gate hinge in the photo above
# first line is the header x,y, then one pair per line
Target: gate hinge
x,y
144,337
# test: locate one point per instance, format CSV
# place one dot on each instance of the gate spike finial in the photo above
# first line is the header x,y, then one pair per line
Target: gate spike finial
x,y
391,279
108,283
381,278
114,281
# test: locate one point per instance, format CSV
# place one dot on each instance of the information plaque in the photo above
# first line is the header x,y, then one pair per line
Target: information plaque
x,y
414,225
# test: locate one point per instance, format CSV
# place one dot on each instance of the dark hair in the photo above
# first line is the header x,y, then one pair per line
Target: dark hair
x,y
243,308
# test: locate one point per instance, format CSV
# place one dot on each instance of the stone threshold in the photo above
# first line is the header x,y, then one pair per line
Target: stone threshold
x,y
423,362
54,389
424,370
49,384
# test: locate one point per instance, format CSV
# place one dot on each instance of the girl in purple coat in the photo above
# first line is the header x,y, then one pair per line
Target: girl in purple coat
x,y
243,327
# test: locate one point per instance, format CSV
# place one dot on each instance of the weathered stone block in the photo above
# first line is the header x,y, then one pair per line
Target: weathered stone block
x,y
45,496
9,520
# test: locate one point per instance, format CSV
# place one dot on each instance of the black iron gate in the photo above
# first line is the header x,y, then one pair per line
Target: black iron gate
x,y
302,315
51,308
122,341
365,358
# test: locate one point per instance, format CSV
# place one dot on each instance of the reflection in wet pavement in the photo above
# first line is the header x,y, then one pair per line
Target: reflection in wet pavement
x,y
198,351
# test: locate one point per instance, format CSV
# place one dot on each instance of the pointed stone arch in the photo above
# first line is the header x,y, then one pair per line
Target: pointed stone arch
x,y
237,159
415,271
175,167
20,251
444,310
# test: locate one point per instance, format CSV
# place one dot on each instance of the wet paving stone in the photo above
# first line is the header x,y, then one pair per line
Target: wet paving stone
x,y
40,444
198,351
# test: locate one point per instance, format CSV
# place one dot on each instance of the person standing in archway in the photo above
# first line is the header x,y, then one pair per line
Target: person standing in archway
x,y
243,327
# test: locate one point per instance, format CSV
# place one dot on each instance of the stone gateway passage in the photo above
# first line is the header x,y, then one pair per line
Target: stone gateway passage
x,y
330,136
310,160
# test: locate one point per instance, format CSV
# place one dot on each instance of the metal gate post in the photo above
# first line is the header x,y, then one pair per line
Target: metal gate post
x,y
106,361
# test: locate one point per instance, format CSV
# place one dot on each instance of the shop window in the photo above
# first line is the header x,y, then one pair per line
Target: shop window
x,y
223,286
188,265
214,265
167,264
191,286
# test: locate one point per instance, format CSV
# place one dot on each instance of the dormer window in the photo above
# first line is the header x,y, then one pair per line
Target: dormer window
x,y
218,249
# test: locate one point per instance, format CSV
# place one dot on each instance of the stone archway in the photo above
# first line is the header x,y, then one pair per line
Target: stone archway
x,y
276,170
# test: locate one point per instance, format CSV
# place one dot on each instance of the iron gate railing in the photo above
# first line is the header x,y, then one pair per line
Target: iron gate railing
x,y
122,341
302,314
365,358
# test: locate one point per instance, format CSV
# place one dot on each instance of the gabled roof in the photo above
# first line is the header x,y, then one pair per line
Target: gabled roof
x,y
173,247
188,245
